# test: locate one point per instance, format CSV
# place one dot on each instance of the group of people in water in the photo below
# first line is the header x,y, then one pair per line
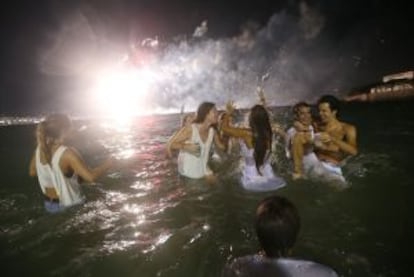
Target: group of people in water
x,y
317,146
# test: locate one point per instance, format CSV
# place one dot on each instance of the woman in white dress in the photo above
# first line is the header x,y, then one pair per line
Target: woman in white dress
x,y
255,147
194,143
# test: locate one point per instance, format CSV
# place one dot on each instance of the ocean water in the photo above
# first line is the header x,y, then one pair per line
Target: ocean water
x,y
142,219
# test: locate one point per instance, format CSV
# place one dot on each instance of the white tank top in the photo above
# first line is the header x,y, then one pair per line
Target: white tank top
x,y
44,173
289,136
192,166
68,189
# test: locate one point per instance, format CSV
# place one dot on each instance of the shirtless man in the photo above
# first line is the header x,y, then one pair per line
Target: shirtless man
x,y
319,150
338,138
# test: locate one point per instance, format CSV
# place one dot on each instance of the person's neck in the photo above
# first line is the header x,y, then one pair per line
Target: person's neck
x,y
204,126
56,146
332,121
305,123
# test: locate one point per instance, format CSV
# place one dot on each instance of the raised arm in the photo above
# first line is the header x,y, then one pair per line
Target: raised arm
x,y
242,133
73,160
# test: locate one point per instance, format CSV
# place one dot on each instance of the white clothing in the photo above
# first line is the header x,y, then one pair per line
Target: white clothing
x,y
289,136
192,166
255,265
251,179
44,173
315,168
68,189
312,166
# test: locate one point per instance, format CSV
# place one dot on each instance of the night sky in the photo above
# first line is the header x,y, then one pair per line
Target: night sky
x,y
375,37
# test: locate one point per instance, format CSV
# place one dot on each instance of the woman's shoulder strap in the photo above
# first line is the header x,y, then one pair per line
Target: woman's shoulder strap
x,y
58,153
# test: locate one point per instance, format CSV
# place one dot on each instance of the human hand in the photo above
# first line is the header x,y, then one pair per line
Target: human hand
x,y
193,148
322,140
260,93
324,137
300,127
230,107
276,127
211,179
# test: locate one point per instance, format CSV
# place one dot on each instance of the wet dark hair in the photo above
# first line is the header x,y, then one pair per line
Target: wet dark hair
x,y
334,103
297,107
203,111
277,225
262,134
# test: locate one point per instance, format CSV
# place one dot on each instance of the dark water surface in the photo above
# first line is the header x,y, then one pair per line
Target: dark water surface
x,y
143,220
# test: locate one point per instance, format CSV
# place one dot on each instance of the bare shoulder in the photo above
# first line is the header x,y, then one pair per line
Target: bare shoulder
x,y
348,127
186,130
70,153
182,134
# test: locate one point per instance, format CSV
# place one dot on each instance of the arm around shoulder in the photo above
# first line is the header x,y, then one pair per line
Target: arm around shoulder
x,y
242,133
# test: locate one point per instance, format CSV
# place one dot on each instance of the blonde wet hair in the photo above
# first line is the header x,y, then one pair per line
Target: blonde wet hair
x,y
50,131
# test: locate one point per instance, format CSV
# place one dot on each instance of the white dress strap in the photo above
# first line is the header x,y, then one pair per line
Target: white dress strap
x,y
193,166
44,173
67,188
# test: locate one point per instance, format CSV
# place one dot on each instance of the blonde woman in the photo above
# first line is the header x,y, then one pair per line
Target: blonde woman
x,y
58,167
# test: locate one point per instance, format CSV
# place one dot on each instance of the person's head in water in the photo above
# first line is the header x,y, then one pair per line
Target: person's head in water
x,y
52,131
277,225
206,113
262,134
328,106
302,113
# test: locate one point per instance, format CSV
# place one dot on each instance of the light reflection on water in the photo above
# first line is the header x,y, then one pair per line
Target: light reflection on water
x,y
146,219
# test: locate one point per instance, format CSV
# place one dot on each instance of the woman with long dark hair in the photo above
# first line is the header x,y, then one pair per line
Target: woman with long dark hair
x,y
194,143
59,167
255,147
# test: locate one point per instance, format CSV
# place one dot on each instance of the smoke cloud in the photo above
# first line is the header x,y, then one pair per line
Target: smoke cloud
x,y
289,58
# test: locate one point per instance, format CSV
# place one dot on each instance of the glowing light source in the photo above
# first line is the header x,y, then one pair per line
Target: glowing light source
x,y
122,93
